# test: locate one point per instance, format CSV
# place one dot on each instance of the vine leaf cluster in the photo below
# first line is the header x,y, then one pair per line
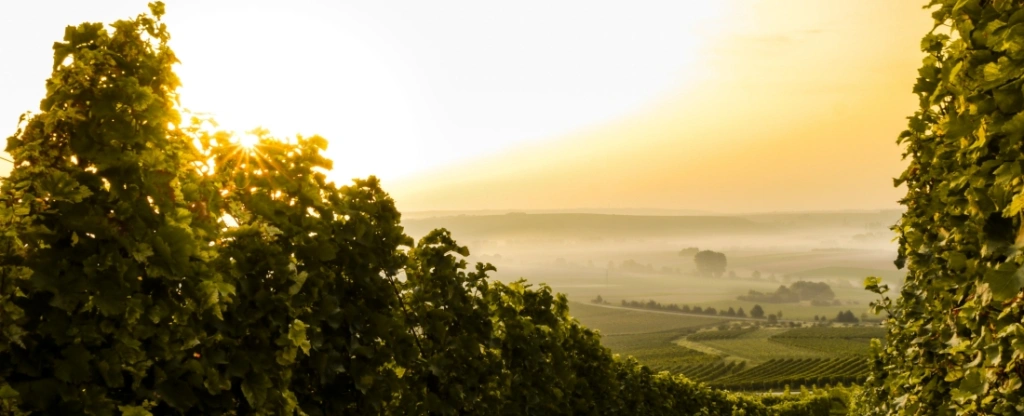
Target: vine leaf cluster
x,y
955,341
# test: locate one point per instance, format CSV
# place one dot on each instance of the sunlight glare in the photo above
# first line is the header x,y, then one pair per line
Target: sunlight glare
x,y
247,141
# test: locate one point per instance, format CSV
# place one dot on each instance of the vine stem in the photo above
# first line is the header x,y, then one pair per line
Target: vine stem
x,y
405,311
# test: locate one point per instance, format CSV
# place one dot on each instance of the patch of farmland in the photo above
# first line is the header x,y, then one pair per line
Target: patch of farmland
x,y
646,335
834,340
776,374
757,348
618,321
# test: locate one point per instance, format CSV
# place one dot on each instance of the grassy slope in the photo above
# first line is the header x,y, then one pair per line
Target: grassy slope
x,y
645,335
757,347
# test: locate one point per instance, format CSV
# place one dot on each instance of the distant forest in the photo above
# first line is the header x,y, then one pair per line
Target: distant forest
x,y
818,293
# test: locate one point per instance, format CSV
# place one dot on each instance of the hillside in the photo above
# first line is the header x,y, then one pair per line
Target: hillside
x,y
585,226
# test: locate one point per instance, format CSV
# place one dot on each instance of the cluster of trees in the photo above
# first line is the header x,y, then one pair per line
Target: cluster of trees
x,y
756,312
149,266
710,263
846,317
672,307
818,293
841,317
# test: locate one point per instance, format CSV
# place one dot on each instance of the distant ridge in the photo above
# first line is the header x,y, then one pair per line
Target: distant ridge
x,y
608,211
887,213
503,224
584,226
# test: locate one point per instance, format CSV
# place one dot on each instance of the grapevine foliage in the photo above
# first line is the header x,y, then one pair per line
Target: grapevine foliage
x,y
149,265
955,340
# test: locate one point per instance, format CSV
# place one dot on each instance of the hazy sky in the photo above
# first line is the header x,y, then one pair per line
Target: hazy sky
x,y
730,105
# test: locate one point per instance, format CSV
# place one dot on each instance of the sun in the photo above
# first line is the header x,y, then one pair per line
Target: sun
x,y
248,141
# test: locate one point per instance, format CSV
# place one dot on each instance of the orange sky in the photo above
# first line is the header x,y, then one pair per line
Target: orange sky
x,y
797,108
734,105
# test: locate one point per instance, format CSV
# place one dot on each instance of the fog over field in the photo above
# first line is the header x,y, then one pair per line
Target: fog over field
x,y
637,257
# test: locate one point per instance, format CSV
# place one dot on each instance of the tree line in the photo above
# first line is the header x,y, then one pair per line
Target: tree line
x,y
672,307
756,312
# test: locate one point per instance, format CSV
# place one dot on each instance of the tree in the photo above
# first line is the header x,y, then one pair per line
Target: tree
x,y
106,265
756,275
757,312
710,263
740,313
772,319
292,252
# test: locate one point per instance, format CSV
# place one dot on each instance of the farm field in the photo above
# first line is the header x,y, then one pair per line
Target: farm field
x,y
757,347
743,356
776,374
767,359
616,321
845,341
646,335
582,284
585,272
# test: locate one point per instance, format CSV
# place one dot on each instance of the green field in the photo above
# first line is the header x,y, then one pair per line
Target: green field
x,y
648,336
777,374
756,347
742,355
612,321
720,334
583,284
832,340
